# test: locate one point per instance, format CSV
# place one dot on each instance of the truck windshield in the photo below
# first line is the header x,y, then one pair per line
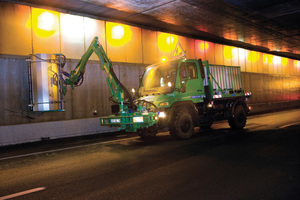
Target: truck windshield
x,y
159,78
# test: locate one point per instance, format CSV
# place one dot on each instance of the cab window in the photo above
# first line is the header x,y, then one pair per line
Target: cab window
x,y
191,70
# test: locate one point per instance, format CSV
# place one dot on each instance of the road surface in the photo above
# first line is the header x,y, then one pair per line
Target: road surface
x,y
260,162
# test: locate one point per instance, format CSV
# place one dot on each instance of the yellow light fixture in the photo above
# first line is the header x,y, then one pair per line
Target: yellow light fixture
x,y
45,23
167,42
117,34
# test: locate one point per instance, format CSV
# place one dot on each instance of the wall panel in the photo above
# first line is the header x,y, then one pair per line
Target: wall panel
x,y
188,45
248,60
227,53
92,28
149,45
219,54
15,26
200,49
210,52
134,46
72,35
117,35
260,63
45,26
242,59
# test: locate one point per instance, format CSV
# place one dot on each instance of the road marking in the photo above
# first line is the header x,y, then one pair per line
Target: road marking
x,y
22,193
64,149
284,126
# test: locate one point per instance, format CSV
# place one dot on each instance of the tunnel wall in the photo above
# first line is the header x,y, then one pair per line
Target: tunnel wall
x,y
23,31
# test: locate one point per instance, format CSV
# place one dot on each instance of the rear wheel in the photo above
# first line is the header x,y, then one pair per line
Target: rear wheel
x,y
182,127
239,119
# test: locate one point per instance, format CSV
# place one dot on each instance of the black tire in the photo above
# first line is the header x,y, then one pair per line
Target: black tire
x,y
239,119
182,127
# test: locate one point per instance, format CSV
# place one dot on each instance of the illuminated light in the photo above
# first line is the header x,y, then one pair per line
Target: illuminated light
x,y
72,28
170,40
284,61
204,45
297,63
167,42
90,27
138,119
45,23
268,58
164,59
227,52
217,96
162,115
169,84
118,34
133,90
253,56
265,58
277,60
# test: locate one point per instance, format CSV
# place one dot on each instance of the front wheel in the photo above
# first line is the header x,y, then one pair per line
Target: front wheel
x,y
182,127
239,119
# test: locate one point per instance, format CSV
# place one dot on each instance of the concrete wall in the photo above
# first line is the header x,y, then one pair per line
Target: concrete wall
x,y
24,133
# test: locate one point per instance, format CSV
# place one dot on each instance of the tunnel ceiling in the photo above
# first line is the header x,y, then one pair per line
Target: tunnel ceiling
x,y
271,26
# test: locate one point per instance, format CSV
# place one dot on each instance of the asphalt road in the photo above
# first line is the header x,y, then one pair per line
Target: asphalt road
x,y
260,162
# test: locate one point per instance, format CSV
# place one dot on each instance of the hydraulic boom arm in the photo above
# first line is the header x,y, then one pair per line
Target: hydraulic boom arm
x,y
131,117
116,88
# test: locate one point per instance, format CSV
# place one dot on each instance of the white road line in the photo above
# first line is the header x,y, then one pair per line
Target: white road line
x,y
284,126
22,193
64,149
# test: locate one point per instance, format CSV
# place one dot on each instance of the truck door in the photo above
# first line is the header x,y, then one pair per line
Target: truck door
x,y
190,79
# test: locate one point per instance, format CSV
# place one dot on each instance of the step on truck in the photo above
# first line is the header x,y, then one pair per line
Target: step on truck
x,y
190,92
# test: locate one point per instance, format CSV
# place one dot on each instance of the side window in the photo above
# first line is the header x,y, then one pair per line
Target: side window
x,y
192,70
182,72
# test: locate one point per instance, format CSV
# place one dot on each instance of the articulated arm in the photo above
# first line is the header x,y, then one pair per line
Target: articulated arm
x,y
116,88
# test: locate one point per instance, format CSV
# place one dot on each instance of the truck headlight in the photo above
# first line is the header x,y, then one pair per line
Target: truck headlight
x,y
164,103
138,119
162,115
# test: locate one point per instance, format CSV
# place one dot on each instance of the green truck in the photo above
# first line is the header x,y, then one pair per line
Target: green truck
x,y
179,95
190,93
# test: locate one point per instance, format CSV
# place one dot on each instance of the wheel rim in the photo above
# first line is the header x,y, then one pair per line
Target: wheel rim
x,y
185,125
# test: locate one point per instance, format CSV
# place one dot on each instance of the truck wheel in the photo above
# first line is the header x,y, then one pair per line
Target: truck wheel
x,y
183,126
239,118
